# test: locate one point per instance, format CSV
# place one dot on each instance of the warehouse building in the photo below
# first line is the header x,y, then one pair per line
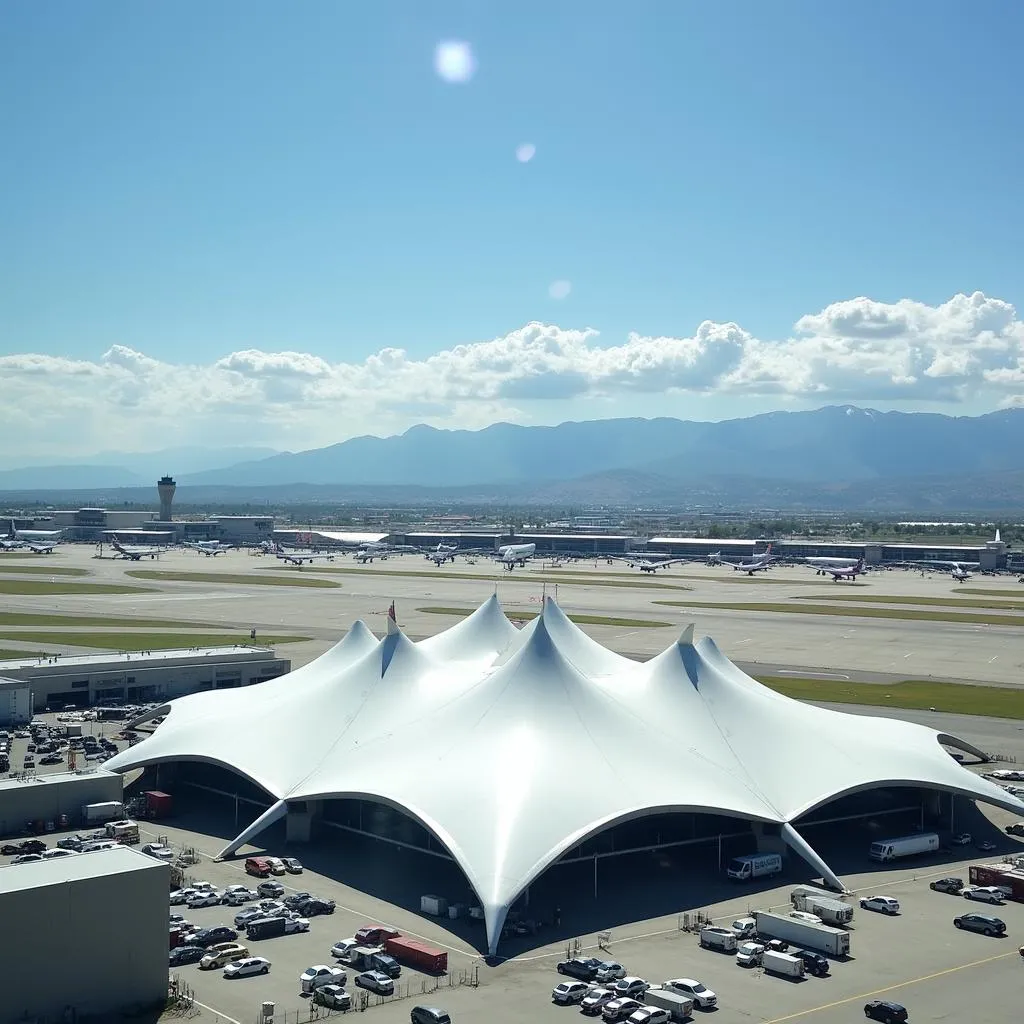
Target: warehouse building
x,y
139,676
117,969
53,798
15,701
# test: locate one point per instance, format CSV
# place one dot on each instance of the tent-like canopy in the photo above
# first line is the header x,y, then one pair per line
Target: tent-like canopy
x,y
473,731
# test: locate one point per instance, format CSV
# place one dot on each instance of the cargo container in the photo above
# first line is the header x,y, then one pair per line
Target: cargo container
x,y
820,937
904,846
754,865
830,910
1001,875
435,905
158,804
98,813
417,954
782,963
678,1006
722,939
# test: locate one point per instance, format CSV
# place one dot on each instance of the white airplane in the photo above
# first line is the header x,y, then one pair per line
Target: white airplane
x,y
959,573
758,564
511,555
646,565
364,555
442,553
844,572
829,563
41,547
38,535
714,558
134,554
300,557
208,547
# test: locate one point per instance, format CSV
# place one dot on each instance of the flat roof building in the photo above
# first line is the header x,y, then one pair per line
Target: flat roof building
x,y
140,676
51,797
116,968
15,701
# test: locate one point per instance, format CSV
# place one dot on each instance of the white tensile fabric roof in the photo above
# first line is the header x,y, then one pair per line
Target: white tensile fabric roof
x,y
475,731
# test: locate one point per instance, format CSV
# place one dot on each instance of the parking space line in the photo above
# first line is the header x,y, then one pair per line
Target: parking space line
x,y
891,988
219,1013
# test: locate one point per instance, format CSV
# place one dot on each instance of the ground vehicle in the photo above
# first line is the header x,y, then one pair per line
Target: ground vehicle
x,y
632,987
802,915
567,992
962,839
814,963
650,1015
981,923
236,895
108,811
749,954
984,894
904,846
27,858
334,997
950,885
883,904
181,955
207,937
342,948
374,935
291,865
754,865
886,1012
221,954
362,957
1010,881
1016,829
692,989
584,970
272,889
417,954
374,981
679,1007
744,928
55,853
822,937
386,965
158,851
257,866
276,865
320,974
125,832
429,1015
721,939
782,963
828,910
314,907
206,898
265,927
619,1008
26,846
610,970
596,999
246,967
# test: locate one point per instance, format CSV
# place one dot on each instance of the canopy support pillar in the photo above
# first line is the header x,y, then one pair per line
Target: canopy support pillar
x,y
273,813
801,846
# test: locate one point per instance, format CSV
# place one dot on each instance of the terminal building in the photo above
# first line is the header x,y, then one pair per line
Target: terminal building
x,y
136,677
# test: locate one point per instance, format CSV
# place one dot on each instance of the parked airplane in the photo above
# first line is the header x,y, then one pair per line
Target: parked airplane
x,y
646,565
41,547
759,563
959,573
134,554
209,547
511,555
39,535
301,557
10,544
442,553
844,572
824,565
364,555
715,558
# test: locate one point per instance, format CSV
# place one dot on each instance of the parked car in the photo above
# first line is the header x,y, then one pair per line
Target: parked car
x,y
375,981
270,889
632,987
429,1015
985,846
57,853
584,970
321,974
292,900
27,858
963,839
342,948
206,898
649,1015
619,1008
237,895
248,966
26,846
375,935
567,992
802,915
1016,829
700,994
883,904
334,997
159,851
291,865
181,955
954,886
886,1012
210,936
276,865
596,999
814,963
222,954
981,923
984,894
748,954
610,971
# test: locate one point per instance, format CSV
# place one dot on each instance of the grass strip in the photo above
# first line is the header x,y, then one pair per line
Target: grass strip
x,y
92,621
232,578
982,590
911,694
42,570
8,654
936,602
909,614
16,586
580,620
150,641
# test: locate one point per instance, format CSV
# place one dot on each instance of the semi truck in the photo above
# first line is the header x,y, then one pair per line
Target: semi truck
x,y
417,954
904,846
678,1006
782,963
831,911
820,937
754,865
1001,875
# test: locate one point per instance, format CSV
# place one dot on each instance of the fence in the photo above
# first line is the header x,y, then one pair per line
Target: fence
x,y
693,921
181,1001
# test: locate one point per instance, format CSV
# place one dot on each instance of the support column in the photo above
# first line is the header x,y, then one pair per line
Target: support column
x,y
267,818
798,843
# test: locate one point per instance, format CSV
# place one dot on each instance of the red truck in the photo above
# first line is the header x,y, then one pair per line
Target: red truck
x,y
1000,875
417,954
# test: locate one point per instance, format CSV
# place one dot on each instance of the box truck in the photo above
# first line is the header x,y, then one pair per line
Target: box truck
x,y
417,954
830,910
754,865
1001,875
782,963
904,846
93,814
678,1006
722,939
820,937
435,905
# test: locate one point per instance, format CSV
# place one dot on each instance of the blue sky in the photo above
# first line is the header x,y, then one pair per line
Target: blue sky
x,y
193,180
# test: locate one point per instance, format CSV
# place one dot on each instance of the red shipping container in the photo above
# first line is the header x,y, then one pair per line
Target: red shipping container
x,y
158,804
417,954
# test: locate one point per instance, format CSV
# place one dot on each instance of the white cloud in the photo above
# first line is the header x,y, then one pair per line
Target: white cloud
x,y
526,152
970,348
559,289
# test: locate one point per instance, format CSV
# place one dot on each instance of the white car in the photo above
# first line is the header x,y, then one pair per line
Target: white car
x,y
375,981
292,866
619,1008
700,994
802,915
204,899
610,971
334,997
650,1015
749,954
236,895
295,924
981,893
248,966
883,904
158,851
963,839
634,988
276,865
596,999
342,949
569,992
320,974
54,854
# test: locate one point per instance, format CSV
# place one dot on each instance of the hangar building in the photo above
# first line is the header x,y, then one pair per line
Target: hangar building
x,y
47,797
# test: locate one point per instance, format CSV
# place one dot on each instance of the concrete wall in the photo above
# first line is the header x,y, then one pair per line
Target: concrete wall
x,y
46,797
15,702
97,944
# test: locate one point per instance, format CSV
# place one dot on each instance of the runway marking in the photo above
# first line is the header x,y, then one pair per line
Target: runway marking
x,y
908,655
619,636
219,1013
891,988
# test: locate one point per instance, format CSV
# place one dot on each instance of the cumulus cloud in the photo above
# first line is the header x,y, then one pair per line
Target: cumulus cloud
x,y
969,348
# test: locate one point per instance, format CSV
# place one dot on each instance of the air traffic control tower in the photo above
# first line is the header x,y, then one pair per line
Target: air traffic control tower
x,y
165,488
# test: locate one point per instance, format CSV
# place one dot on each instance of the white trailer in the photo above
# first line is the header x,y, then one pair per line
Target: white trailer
x,y
108,811
782,963
811,890
434,905
678,1006
831,911
820,937
754,865
904,846
722,939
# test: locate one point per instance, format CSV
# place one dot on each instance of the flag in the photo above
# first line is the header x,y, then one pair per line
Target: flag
x,y
391,612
